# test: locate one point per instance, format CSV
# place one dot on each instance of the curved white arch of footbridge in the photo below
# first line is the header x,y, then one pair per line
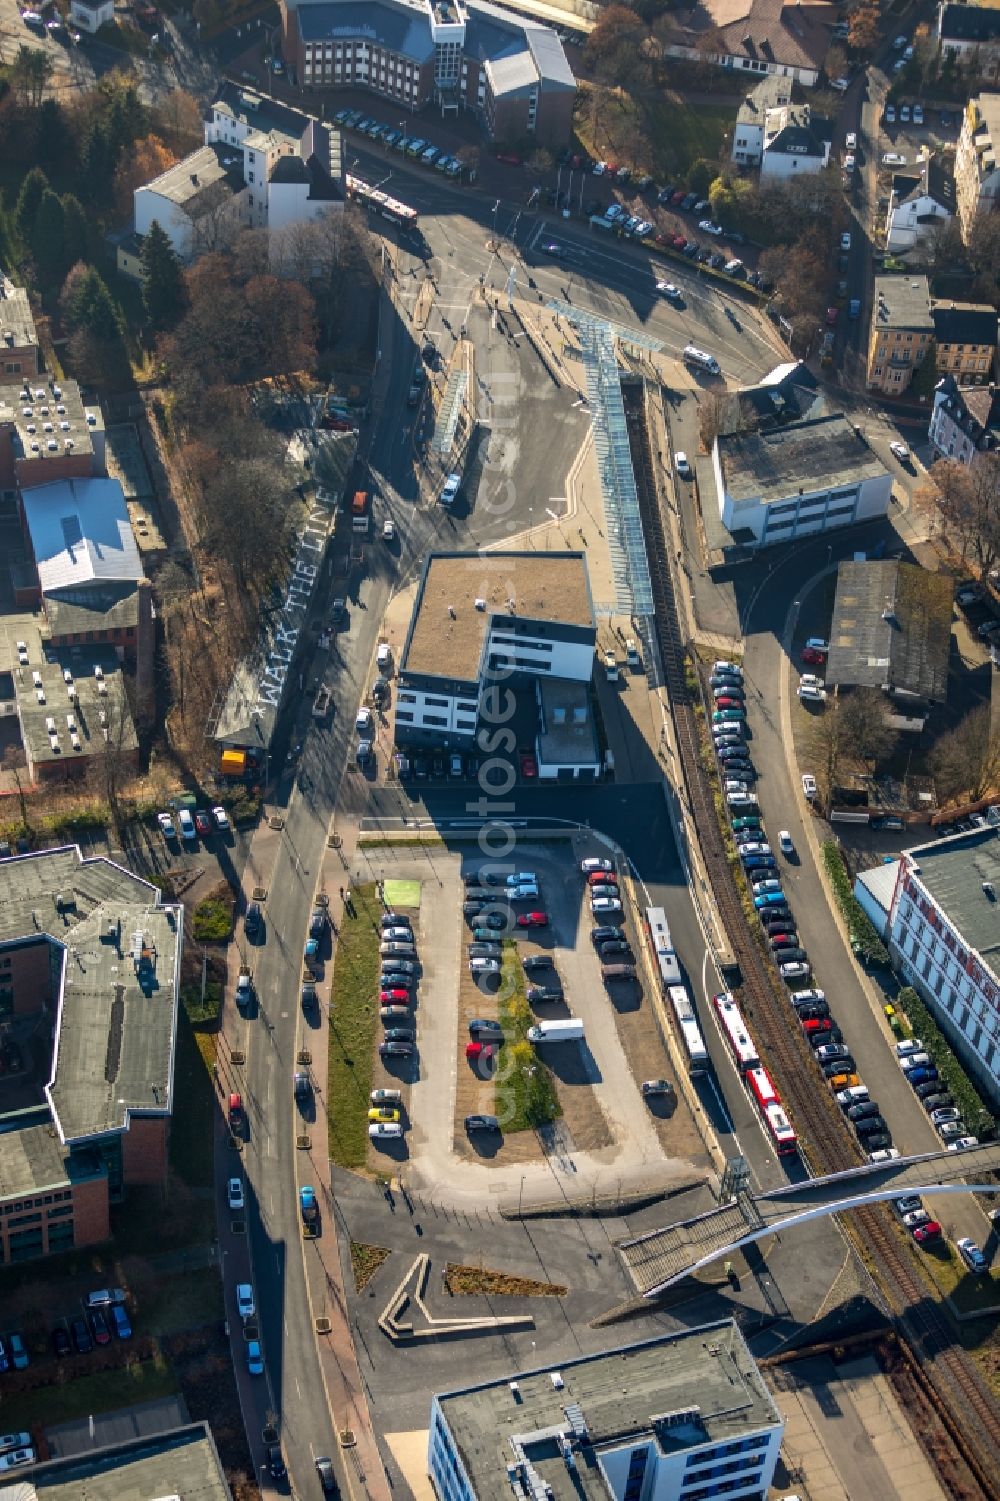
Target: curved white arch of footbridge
x,y
927,1184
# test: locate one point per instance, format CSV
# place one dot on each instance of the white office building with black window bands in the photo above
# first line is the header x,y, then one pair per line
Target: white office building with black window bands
x,y
686,1417
481,621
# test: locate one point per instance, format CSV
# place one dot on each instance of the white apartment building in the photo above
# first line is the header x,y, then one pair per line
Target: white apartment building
x,y
748,134
479,620
795,142
943,929
965,422
783,483
977,158
684,1417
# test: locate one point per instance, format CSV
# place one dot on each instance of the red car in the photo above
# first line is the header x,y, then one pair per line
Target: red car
x,y
533,920
394,998
677,197
529,766
474,1050
729,703
678,242
601,878
831,316
814,1026
784,941
610,168
813,657
927,1234
202,823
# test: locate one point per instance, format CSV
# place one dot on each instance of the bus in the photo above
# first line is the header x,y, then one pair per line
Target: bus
x,y
687,1022
380,203
734,1030
772,1113
662,945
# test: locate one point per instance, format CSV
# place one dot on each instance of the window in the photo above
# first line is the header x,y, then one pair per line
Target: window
x,y
636,1473
441,719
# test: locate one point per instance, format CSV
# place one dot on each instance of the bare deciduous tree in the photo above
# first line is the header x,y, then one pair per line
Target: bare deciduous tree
x,y
965,761
14,762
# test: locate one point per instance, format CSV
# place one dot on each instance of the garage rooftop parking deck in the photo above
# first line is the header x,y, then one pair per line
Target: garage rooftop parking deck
x,y
448,630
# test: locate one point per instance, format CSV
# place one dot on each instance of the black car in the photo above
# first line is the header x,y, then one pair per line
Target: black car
x,y
420,768
392,980
844,1065
99,1327
862,1110
869,1125
691,249
395,1049
538,993
819,1011
481,1123
275,1463
877,1141
82,1342
598,935
688,202
779,909
60,1342
399,1034
252,920
613,946
940,1101
437,767
317,923
532,962
327,1479
928,1088
472,767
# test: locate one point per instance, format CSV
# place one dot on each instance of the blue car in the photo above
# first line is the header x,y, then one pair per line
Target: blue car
x,y
120,1323
769,899
759,862
922,1075
255,1358
523,878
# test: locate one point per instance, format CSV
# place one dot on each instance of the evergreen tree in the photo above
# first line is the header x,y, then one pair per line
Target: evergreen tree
x,y
162,279
52,138
97,160
97,345
48,238
76,234
29,199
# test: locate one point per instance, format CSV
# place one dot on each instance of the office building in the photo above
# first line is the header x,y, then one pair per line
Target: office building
x,y
90,962
483,619
683,1417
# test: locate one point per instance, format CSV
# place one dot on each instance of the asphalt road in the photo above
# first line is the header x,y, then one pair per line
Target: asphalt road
x,y
783,806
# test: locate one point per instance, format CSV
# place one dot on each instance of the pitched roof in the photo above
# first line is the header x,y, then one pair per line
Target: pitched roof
x,y
400,28
976,409
81,533
968,23
905,650
965,323
772,31
797,133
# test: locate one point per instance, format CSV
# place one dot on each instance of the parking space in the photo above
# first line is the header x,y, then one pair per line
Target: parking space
x,y
460,1018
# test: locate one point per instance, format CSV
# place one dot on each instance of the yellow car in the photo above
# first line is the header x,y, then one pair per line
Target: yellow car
x,y
839,1081
384,1115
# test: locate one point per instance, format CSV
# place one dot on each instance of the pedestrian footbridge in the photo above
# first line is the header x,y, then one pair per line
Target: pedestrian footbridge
x,y
661,1257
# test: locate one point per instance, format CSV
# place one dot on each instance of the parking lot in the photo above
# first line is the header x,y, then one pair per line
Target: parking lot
x,y
459,1069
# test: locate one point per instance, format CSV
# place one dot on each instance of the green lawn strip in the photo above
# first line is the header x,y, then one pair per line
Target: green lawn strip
x,y
102,1391
186,1300
975,1113
525,1089
652,132
353,1024
191,1137
969,1294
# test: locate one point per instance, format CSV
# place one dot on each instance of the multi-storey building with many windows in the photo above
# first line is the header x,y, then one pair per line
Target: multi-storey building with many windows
x,y
456,54
965,422
902,331
977,162
481,621
684,1417
944,935
89,983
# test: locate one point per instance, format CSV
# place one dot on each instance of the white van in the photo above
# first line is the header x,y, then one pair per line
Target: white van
x,y
383,656
484,966
695,356
378,1130
450,489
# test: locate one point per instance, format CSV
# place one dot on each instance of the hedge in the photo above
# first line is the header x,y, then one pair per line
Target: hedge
x,y
967,1098
861,930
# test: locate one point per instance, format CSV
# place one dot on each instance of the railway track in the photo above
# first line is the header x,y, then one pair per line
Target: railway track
x,y
966,1409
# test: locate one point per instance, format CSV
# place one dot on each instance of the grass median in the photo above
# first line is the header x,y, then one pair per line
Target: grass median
x,y
526,1090
353,1024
